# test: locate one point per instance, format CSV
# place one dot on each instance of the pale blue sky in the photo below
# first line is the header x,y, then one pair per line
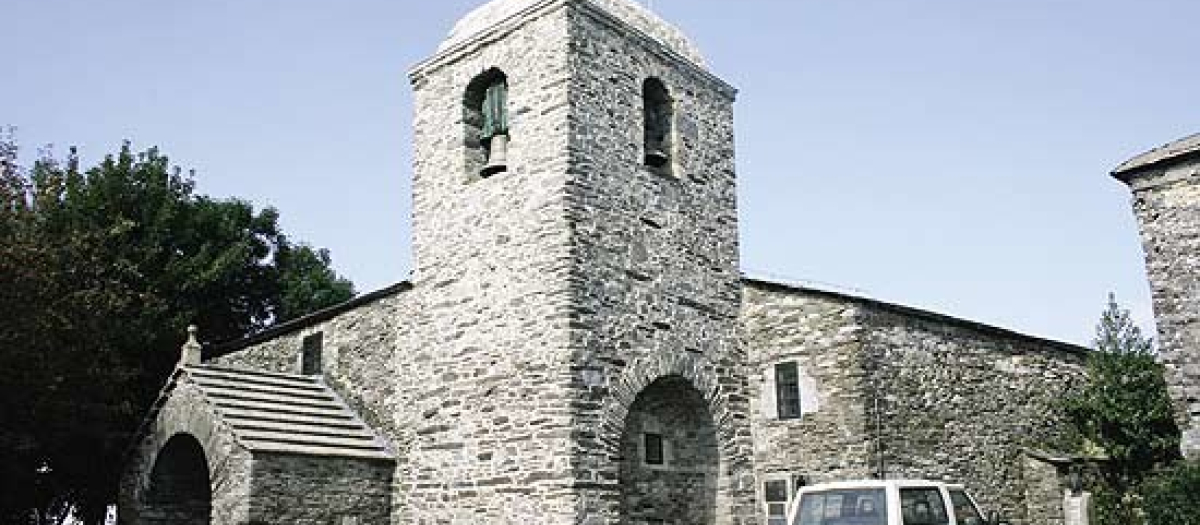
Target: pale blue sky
x,y
946,154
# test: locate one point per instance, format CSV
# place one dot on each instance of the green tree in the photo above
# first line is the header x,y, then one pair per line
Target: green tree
x,y
1172,497
1125,412
307,279
100,272
1116,333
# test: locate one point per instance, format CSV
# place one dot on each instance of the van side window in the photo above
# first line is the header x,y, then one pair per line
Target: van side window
x,y
923,506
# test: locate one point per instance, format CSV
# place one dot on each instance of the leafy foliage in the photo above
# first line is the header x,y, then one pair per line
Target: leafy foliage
x,y
1125,409
1111,506
1173,496
1116,333
1124,412
307,280
100,273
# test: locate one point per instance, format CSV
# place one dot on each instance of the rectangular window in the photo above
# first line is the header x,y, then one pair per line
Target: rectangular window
x,y
775,493
310,354
787,390
654,449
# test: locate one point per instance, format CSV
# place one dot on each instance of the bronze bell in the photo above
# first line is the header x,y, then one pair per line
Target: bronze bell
x,y
497,156
656,158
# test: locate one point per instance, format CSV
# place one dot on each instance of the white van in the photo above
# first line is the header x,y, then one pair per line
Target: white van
x,y
886,502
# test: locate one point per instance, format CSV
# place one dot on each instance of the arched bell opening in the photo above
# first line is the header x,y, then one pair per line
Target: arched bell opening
x,y
669,457
179,492
485,120
658,122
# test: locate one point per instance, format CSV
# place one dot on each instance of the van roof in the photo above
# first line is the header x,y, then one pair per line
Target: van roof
x,y
878,484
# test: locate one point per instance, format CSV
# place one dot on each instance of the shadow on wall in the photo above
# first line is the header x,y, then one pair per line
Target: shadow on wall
x,y
179,492
670,461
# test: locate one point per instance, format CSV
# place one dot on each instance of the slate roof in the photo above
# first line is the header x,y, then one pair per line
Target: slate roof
x,y
1164,153
270,412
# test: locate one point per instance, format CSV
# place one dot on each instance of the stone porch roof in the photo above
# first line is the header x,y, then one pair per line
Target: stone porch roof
x,y
275,413
269,412
1165,153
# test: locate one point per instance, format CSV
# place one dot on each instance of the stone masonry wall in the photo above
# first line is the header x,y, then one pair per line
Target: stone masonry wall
x,y
1043,491
309,490
655,284
360,351
831,441
487,367
960,401
682,486
1167,204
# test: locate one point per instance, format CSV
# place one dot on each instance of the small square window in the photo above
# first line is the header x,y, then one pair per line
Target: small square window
x,y
787,390
776,490
654,449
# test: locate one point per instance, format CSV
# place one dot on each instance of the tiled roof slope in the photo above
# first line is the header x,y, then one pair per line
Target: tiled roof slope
x,y
1179,148
272,412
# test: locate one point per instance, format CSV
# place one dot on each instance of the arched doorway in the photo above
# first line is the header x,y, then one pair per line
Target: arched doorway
x,y
179,492
670,460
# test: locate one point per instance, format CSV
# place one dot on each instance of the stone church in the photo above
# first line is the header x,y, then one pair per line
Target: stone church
x,y
577,344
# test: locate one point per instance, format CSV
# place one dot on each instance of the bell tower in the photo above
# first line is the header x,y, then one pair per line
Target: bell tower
x,y
575,230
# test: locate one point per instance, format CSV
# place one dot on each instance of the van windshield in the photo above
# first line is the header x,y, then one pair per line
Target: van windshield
x,y
843,507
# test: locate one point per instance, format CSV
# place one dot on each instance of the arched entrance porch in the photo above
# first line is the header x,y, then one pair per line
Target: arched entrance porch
x,y
670,461
179,492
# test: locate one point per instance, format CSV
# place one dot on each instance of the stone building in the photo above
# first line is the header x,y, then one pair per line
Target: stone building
x,y
576,344
1166,199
